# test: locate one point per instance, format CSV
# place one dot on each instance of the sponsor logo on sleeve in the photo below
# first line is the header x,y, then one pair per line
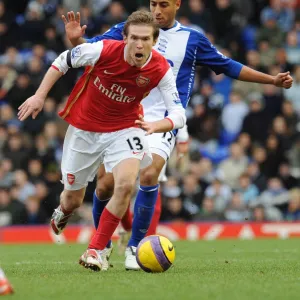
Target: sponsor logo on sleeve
x,y
176,99
76,52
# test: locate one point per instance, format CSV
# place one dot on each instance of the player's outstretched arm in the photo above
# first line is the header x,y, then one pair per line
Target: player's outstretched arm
x,y
80,56
74,30
209,56
283,80
33,105
164,125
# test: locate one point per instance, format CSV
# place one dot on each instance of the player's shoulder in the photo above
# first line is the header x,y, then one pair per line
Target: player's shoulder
x,y
196,33
112,48
119,26
113,44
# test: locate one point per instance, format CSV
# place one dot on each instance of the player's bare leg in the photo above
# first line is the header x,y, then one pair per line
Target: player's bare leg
x,y
125,174
103,192
69,201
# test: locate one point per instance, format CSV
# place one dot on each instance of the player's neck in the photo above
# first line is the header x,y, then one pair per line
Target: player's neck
x,y
172,24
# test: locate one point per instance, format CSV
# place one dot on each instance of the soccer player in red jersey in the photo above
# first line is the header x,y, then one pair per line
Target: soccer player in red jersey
x,y
184,48
103,112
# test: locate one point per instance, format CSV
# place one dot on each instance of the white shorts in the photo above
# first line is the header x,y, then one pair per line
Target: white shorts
x,y
161,144
84,151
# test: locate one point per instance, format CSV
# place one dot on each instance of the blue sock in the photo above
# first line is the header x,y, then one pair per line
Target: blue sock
x,y
98,207
143,212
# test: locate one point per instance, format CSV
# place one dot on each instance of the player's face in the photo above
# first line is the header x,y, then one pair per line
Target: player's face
x,y
139,44
164,12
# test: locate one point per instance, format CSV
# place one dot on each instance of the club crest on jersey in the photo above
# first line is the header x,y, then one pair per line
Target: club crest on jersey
x,y
142,81
71,178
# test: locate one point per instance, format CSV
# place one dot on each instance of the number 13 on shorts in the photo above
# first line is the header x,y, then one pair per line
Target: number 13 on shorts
x,y
135,144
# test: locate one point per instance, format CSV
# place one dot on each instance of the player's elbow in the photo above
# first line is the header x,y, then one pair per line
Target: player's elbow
x,y
179,119
183,120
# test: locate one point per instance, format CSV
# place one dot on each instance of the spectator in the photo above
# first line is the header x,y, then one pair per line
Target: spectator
x,y
282,14
290,117
196,12
35,213
257,178
256,122
11,211
22,90
293,210
244,140
236,210
25,187
234,113
284,174
274,156
208,212
234,166
15,151
220,192
270,31
174,209
6,174
292,48
293,93
274,196
247,190
258,214
192,194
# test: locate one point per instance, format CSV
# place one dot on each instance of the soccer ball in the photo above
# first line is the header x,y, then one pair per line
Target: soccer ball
x,y
155,254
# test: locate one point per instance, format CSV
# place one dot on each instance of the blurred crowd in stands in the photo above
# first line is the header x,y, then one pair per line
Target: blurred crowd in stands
x,y
244,150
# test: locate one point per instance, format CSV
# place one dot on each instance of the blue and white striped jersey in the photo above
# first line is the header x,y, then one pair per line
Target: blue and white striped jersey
x,y
184,48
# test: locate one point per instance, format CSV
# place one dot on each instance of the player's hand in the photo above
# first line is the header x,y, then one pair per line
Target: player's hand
x,y
149,127
284,80
32,106
73,28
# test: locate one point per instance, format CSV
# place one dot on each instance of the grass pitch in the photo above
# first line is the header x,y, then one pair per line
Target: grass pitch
x,y
225,270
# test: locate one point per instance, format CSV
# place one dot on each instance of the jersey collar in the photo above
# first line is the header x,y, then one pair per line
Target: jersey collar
x,y
174,27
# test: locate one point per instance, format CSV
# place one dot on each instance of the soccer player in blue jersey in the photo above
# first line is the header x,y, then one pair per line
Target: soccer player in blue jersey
x,y
184,48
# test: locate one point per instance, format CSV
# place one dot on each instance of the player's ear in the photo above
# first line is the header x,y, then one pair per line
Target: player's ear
x,y
177,4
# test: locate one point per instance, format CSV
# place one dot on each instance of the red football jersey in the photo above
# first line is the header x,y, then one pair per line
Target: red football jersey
x,y
107,96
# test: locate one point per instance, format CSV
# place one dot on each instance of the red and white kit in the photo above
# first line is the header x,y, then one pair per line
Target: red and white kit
x,y
104,105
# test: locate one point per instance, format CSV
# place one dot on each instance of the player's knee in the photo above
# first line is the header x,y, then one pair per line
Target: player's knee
x,y
73,198
149,176
124,189
104,192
